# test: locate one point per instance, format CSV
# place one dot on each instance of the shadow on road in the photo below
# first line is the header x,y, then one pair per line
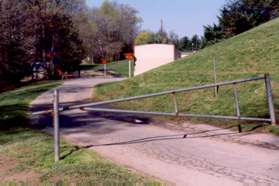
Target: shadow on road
x,y
98,123
202,134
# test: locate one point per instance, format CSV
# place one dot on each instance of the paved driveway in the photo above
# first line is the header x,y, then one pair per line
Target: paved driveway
x,y
205,157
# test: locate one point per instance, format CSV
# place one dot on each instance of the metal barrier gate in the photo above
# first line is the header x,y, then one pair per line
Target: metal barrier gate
x,y
94,106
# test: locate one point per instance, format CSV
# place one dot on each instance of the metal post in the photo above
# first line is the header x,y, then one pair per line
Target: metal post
x,y
105,70
130,69
215,77
239,128
175,103
236,99
268,88
56,126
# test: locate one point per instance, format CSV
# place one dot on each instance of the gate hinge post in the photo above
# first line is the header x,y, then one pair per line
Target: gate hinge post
x,y
268,87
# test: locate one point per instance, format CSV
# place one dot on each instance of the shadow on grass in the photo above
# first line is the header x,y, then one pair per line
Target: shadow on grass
x,y
14,106
13,116
13,123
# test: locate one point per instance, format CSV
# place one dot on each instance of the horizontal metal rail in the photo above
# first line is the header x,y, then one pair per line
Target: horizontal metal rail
x,y
89,107
266,78
175,114
167,92
61,109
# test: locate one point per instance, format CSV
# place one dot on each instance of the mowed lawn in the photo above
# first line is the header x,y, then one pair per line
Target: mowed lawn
x,y
27,154
250,54
117,68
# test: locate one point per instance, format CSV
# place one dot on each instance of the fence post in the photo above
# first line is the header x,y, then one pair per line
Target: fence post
x,y
56,134
236,99
105,70
175,103
268,88
130,68
215,77
237,107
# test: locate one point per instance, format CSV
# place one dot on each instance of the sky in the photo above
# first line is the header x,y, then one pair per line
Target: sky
x,y
184,17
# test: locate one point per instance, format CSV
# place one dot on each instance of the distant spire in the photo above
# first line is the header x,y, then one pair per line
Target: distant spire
x,y
162,26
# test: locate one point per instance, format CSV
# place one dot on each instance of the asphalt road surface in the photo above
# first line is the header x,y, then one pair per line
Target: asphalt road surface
x,y
205,157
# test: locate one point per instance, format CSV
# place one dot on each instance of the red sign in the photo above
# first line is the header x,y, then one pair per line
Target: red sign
x,y
129,56
103,61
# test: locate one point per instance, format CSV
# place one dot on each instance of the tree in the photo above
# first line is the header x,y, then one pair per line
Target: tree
x,y
174,39
196,42
115,27
31,29
55,32
143,37
185,43
238,16
213,34
66,43
161,37
16,42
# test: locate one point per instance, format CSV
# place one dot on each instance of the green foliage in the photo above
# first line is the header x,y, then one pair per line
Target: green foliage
x,y
161,37
56,33
67,46
246,55
143,37
185,43
238,16
196,42
114,27
213,34
31,30
15,41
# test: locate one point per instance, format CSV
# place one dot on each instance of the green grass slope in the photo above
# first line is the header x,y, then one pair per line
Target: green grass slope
x,y
119,67
249,54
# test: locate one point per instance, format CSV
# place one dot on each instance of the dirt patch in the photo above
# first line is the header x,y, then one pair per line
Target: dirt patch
x,y
6,164
8,172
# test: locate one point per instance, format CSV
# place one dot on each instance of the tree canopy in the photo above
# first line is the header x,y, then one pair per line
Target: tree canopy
x,y
238,16
61,33
112,29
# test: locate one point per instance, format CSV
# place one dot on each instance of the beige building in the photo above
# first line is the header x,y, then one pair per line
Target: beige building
x,y
152,56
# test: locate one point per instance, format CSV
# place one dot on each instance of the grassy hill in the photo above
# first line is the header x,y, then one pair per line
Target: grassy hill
x,y
249,54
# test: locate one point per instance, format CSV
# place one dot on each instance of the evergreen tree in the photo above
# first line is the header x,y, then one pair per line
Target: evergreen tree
x,y
185,43
238,16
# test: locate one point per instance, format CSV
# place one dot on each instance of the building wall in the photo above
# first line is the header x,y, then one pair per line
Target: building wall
x,y
152,56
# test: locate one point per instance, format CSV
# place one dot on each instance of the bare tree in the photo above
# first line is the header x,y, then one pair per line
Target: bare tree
x,y
113,28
